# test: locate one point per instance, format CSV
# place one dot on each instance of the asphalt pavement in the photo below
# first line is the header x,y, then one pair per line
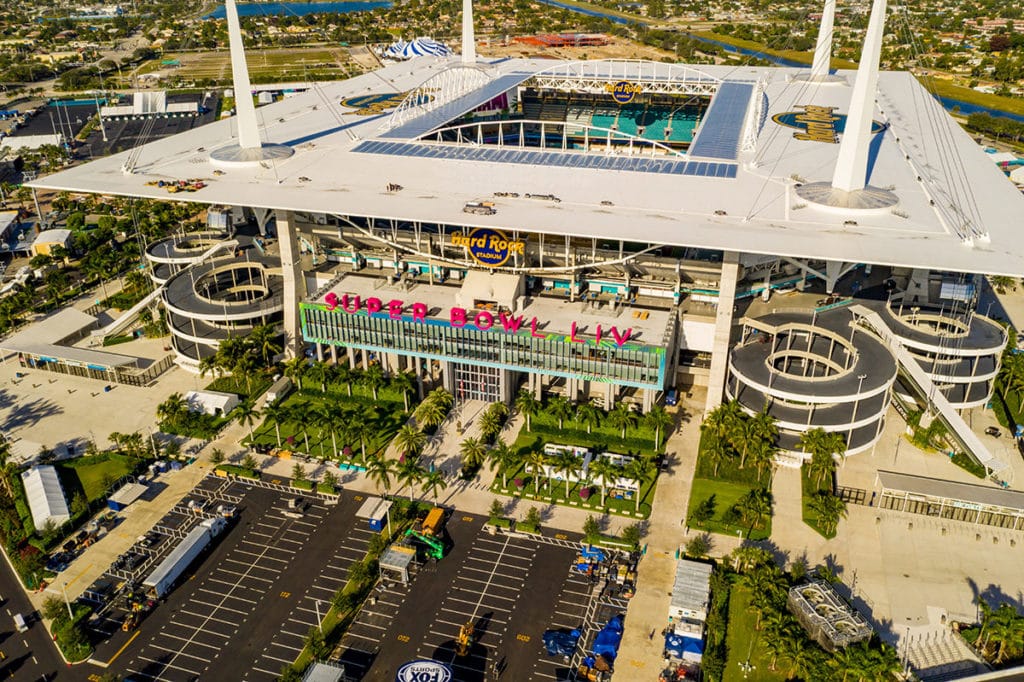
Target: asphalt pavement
x,y
28,655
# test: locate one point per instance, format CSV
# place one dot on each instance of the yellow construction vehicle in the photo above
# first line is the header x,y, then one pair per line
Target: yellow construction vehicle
x,y
465,640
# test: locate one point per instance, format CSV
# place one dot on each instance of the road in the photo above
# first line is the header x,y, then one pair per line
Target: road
x,y
29,655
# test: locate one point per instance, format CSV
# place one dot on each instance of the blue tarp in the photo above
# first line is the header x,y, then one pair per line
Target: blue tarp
x,y
606,643
595,553
677,645
560,642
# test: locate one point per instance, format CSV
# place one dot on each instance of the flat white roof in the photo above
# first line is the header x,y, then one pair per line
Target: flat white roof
x,y
923,156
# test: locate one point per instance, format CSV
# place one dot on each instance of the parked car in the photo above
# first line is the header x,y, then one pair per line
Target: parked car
x,y
993,431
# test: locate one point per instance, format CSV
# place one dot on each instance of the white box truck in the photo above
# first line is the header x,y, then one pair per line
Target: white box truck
x,y
164,576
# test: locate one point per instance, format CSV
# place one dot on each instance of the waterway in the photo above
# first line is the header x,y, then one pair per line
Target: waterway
x,y
299,8
947,102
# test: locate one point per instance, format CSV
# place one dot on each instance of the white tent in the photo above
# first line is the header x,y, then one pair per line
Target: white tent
x,y
211,402
45,496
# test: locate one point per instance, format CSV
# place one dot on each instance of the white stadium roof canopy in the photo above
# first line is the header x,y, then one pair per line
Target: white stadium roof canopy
x,y
344,159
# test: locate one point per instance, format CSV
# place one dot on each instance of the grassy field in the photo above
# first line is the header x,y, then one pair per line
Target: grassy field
x,y
282,64
793,55
744,643
944,88
727,493
604,438
90,474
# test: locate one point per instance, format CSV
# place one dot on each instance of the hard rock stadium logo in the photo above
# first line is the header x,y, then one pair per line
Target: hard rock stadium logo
x,y
623,92
818,124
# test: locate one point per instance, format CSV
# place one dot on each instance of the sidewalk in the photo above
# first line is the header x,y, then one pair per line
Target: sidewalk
x,y
640,655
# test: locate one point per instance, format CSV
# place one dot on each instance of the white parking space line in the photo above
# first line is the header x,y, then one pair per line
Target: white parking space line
x,y
221,569
166,666
262,556
459,624
164,633
493,570
273,548
217,607
227,596
484,582
178,652
279,660
207,617
350,633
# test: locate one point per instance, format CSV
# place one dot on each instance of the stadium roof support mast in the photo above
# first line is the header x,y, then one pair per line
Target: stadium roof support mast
x,y
250,148
468,37
823,50
849,189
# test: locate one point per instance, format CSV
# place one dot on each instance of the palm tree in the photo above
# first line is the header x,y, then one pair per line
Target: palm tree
x,y
333,414
247,416
528,405
433,482
379,471
659,420
566,463
830,509
294,369
473,452
263,340
560,408
603,470
5,465
535,462
622,417
209,365
430,413
762,454
320,372
504,458
490,424
409,473
716,452
410,441
1011,375
642,471
172,409
721,420
755,506
442,397
1002,282
344,375
402,382
588,414
278,413
822,445
374,379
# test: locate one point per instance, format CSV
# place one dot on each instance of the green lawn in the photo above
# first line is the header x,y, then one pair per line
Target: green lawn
x,y
88,474
808,488
556,494
744,642
246,390
727,494
638,440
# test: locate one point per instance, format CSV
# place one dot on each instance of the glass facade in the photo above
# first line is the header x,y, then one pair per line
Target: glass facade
x,y
632,364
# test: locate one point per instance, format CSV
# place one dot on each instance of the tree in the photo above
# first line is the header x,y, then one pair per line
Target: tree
x,y
606,472
560,408
533,518
830,509
379,471
535,462
824,444
716,451
566,463
430,413
294,369
704,511
278,413
642,471
402,382
374,379
263,340
528,405
409,473
6,468
589,415
591,529
497,509
660,420
217,457
1002,283
250,462
490,424
721,421
432,483
54,608
503,458
173,409
319,372
298,472
631,535
330,479
698,546
755,506
247,415
622,417
473,452
410,441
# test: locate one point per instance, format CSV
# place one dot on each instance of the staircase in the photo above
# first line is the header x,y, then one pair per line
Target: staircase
x,y
938,655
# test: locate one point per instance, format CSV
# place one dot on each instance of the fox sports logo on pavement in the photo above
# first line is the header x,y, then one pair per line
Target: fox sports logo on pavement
x,y
424,671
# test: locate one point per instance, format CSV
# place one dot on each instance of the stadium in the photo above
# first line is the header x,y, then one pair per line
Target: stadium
x,y
806,241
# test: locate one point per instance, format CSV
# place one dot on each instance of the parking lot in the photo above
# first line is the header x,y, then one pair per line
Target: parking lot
x,y
511,589
225,617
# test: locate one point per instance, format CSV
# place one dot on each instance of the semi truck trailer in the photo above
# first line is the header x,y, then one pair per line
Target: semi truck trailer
x,y
162,579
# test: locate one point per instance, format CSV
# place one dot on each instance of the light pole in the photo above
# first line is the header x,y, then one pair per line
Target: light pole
x,y
64,589
856,404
